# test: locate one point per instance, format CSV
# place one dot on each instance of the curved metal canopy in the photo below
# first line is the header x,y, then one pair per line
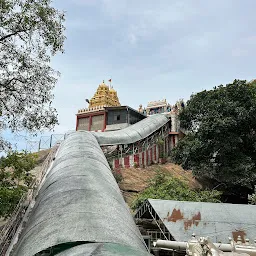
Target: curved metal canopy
x,y
132,133
80,202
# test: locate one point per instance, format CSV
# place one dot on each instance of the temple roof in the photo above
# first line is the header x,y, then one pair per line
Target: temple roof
x,y
104,96
159,103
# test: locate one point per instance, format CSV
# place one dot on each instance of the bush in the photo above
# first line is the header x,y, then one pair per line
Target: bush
x,y
117,175
171,188
136,165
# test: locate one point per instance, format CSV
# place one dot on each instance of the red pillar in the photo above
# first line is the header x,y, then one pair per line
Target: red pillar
x,y
127,162
136,159
116,165
143,160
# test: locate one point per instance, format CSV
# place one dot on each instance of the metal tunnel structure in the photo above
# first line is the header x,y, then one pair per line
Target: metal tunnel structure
x,y
132,133
79,209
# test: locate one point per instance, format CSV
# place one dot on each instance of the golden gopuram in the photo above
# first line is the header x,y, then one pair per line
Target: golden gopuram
x,y
94,117
104,96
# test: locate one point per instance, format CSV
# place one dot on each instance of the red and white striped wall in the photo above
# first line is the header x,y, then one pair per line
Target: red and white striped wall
x,y
141,159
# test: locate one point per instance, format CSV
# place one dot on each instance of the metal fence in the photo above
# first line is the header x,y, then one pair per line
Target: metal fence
x,y
45,142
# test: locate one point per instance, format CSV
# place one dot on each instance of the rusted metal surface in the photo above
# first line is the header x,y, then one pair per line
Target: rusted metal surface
x,y
217,221
178,215
240,233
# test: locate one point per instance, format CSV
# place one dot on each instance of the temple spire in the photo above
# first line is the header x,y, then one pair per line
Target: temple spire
x,y
104,96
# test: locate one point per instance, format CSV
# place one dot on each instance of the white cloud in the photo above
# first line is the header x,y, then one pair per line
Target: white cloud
x,y
132,38
152,49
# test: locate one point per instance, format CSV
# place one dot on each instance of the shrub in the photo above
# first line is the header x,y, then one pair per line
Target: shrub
x,y
117,175
171,188
136,165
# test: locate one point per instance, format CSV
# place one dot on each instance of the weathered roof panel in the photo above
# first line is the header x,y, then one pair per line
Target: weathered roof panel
x,y
79,201
132,133
215,220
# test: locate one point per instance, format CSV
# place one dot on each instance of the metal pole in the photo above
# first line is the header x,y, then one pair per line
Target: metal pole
x,y
51,141
39,145
181,246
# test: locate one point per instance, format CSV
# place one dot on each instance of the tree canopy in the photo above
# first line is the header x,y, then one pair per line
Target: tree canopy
x,y
15,179
220,145
31,31
167,187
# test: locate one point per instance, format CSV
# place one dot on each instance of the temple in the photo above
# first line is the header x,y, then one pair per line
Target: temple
x,y
105,112
105,96
161,106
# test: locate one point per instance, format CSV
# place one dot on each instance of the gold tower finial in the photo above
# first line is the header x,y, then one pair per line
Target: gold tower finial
x,y
104,96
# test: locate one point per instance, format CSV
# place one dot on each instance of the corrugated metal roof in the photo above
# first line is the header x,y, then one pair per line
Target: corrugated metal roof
x,y
215,220
80,201
133,133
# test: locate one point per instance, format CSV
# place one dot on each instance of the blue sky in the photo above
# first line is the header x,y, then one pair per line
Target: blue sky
x,y
152,49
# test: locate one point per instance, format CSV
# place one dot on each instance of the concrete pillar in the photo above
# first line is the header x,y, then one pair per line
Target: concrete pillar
x,y
174,123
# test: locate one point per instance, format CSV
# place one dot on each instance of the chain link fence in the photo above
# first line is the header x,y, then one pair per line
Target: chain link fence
x,y
45,142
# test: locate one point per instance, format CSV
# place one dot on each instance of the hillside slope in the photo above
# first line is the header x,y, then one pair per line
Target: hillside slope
x,y
135,180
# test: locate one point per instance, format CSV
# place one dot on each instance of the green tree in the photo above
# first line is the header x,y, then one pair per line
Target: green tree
x,y
171,188
31,31
15,179
16,167
9,198
221,143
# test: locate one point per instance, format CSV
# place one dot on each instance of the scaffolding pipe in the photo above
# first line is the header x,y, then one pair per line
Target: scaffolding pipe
x,y
182,246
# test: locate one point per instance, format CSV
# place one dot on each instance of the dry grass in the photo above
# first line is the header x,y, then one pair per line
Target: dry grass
x,y
42,155
136,179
